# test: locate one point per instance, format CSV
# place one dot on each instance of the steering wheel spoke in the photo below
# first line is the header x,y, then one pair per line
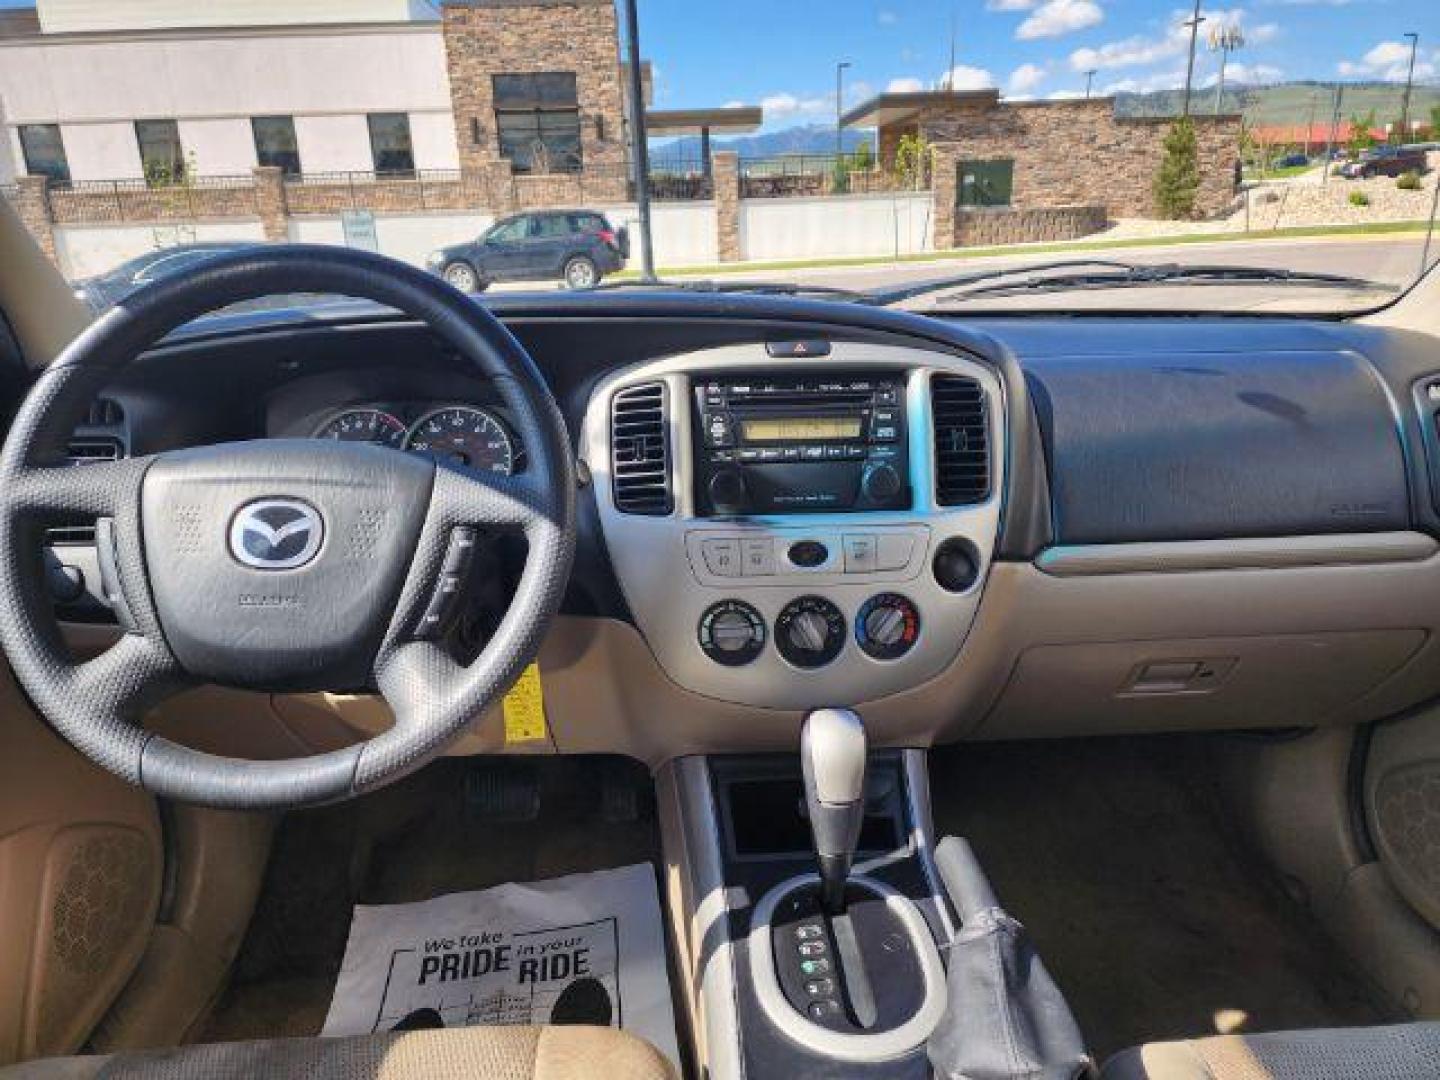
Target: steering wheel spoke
x,y
101,489
487,500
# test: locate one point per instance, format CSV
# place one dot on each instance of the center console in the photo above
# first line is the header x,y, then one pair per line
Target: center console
x,y
796,529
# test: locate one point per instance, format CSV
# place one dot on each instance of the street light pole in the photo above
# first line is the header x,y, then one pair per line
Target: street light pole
x,y
839,77
1194,25
1089,78
1409,82
640,150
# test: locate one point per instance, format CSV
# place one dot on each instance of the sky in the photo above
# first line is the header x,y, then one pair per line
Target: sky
x,y
782,53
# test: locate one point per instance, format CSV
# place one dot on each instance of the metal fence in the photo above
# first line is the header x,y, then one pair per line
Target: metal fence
x,y
808,175
140,200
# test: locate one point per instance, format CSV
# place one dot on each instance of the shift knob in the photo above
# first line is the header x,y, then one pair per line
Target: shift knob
x,y
833,749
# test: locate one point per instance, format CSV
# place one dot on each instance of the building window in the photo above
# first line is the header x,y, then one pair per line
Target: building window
x,y
44,152
537,120
275,144
390,147
161,158
986,183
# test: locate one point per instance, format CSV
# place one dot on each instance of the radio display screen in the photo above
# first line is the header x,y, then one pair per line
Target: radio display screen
x,y
776,429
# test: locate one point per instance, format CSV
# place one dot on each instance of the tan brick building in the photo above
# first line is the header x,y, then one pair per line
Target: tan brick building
x,y
1041,170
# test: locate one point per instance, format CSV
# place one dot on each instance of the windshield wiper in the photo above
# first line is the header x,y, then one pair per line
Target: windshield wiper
x,y
1106,274
1132,275
884,297
762,288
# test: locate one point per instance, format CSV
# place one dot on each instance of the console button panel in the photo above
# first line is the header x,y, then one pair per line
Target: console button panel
x,y
791,557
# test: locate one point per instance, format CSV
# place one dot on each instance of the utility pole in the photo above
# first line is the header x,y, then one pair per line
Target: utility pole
x,y
1089,79
839,83
1331,135
1409,82
1194,25
640,149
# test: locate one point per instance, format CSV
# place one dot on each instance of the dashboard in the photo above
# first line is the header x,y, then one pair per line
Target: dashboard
x,y
999,529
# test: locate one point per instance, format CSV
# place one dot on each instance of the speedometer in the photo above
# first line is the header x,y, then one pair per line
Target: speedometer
x,y
464,436
364,425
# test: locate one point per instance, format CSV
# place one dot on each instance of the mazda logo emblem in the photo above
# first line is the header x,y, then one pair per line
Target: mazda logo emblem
x,y
276,534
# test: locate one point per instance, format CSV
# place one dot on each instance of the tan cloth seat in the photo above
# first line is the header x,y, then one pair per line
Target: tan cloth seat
x,y
1399,1052
476,1053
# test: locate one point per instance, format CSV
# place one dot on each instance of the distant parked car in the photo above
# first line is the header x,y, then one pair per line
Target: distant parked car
x,y
578,247
103,290
1292,161
1385,161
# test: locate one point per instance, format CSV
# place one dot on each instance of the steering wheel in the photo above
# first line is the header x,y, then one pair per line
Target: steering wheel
x,y
277,564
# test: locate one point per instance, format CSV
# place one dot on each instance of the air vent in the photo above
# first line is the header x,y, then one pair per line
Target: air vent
x,y
639,451
89,450
105,412
962,441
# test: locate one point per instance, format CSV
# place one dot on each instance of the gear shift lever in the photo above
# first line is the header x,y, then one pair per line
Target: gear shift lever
x,y
832,756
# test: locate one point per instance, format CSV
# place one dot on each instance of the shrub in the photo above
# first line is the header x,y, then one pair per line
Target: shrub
x,y
1359,198
862,160
1409,181
1178,179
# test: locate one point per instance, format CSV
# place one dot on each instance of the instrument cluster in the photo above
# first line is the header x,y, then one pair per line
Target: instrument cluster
x,y
466,436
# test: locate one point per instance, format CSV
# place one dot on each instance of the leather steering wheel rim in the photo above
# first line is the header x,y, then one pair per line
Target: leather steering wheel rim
x,y
96,704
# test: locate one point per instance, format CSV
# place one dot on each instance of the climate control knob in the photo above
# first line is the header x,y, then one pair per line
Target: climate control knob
x,y
887,626
810,632
732,633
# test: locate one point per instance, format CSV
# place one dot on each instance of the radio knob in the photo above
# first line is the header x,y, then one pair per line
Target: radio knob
x,y
727,492
885,626
881,483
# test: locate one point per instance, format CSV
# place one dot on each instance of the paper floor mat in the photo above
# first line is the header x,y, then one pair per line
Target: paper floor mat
x,y
588,948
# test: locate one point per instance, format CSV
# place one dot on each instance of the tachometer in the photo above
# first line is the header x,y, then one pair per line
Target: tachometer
x,y
464,436
364,425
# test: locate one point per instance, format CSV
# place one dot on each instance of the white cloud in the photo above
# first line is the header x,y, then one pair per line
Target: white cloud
x,y
1056,18
1134,51
1146,84
733,105
886,18
904,86
1025,78
780,106
1064,95
965,77
1389,61
1010,5
1250,74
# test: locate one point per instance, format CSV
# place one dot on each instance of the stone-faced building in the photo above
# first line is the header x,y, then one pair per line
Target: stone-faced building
x,y
1008,171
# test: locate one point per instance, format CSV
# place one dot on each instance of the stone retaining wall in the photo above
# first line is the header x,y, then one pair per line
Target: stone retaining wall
x,y
993,227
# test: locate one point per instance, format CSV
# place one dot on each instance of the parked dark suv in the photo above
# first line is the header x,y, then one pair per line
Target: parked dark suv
x,y
1385,161
578,247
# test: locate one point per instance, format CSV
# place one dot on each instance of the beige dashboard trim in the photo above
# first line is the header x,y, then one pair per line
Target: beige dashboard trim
x,y
1258,553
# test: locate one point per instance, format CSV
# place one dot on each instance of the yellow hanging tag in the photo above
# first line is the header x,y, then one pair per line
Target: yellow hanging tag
x,y
525,708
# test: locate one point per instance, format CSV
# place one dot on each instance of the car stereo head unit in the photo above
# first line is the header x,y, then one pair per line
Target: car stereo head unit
x,y
777,444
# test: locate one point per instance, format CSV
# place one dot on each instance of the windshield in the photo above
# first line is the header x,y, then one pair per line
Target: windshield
x,y
1274,158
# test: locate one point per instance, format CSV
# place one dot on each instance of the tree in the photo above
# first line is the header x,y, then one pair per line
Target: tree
x,y
912,160
1177,181
1361,138
862,160
1435,121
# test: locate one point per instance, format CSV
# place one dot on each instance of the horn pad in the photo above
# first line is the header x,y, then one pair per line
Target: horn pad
x,y
278,563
